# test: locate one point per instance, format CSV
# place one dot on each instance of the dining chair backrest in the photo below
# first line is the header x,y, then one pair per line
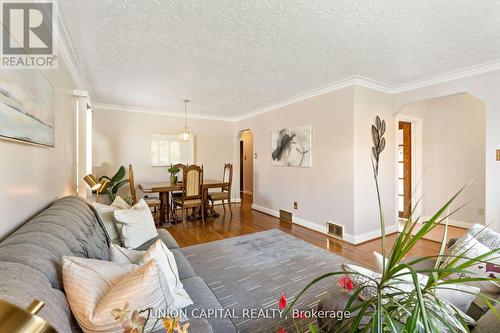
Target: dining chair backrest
x,y
181,167
228,176
192,182
132,184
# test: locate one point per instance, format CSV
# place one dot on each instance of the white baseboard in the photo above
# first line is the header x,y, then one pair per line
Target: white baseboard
x,y
455,223
322,229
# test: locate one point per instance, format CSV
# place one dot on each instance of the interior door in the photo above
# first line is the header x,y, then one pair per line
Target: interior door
x,y
404,169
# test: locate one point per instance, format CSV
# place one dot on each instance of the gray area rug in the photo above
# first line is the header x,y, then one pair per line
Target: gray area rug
x,y
249,272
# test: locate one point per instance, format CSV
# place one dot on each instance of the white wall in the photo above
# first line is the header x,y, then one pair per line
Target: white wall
x,y
367,105
485,87
123,138
453,148
32,177
324,192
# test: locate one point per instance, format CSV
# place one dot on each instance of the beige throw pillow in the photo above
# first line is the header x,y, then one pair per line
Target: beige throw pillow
x,y
95,287
137,224
166,262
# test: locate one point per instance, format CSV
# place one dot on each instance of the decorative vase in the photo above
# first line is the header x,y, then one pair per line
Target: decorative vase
x,y
173,180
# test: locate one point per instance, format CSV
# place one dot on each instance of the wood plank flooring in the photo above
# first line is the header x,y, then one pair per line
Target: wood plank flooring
x,y
246,221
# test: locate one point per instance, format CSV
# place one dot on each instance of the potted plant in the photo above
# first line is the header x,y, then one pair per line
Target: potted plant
x,y
173,170
115,183
381,304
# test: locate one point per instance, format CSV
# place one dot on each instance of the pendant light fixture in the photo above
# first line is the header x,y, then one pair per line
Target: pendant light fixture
x,y
185,135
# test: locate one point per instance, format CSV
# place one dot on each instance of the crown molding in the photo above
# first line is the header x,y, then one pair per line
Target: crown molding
x,y
344,83
67,52
156,111
355,80
377,85
447,77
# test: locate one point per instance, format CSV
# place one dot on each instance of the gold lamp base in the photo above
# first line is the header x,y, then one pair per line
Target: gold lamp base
x,y
14,319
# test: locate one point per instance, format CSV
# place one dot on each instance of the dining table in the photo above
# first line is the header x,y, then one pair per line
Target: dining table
x,y
165,188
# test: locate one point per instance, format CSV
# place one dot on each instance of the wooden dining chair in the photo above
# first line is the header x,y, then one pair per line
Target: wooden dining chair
x,y
192,191
225,193
178,194
153,203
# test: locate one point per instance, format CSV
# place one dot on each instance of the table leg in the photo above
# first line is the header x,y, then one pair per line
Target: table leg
x,y
163,206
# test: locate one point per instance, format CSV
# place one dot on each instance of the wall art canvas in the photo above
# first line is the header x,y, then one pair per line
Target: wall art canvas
x,y
292,146
26,107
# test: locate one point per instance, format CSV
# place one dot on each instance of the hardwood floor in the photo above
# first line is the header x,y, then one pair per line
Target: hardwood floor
x,y
246,221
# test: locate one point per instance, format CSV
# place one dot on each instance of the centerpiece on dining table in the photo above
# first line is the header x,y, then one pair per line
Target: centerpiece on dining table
x,y
173,170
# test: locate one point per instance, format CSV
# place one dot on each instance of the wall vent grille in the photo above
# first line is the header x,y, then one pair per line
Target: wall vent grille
x,y
335,230
285,216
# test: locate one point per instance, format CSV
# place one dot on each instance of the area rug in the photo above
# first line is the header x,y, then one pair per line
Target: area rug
x,y
249,272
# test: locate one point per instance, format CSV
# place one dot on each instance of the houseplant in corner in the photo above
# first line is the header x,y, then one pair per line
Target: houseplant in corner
x,y
173,170
115,183
402,298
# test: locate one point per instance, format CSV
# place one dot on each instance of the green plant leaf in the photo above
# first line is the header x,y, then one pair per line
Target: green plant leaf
x,y
118,175
117,186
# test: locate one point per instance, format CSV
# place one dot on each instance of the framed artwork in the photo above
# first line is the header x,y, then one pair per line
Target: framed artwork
x,y
26,107
292,146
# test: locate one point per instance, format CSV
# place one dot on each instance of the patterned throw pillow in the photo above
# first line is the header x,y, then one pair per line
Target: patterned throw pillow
x,y
470,248
485,236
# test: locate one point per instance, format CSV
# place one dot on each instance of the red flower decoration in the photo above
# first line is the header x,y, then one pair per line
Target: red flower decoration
x,y
281,330
346,283
282,302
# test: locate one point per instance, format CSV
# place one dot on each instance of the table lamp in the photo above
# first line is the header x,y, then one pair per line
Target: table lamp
x,y
14,319
96,185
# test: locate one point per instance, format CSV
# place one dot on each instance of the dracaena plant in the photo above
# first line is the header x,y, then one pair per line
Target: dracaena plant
x,y
115,183
391,308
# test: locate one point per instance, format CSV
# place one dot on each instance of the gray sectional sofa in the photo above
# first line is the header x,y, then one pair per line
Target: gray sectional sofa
x,y
30,263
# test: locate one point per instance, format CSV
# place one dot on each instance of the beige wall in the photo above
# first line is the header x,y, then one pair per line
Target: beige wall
x,y
123,138
323,192
248,156
367,105
453,148
32,177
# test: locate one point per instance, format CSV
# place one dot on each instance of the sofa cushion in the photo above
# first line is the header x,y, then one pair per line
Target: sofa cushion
x,y
165,236
204,298
30,258
21,284
183,266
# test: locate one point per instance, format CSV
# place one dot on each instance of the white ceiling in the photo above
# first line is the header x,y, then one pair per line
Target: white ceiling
x,y
232,57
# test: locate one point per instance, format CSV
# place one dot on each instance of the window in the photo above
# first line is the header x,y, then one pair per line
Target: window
x,y
167,149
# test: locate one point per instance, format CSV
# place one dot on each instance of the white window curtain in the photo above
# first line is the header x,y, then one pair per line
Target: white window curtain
x,y
167,149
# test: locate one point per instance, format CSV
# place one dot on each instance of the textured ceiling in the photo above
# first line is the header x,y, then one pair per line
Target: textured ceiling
x,y
232,57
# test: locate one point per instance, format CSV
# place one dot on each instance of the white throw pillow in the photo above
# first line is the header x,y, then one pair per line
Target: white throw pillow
x,y
137,224
106,213
470,248
124,256
458,294
166,261
120,203
95,287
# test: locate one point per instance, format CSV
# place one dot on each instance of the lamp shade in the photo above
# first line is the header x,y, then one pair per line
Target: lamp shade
x,y
14,319
103,184
92,182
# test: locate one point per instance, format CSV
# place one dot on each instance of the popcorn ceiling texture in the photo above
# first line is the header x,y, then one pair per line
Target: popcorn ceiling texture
x,y
232,57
